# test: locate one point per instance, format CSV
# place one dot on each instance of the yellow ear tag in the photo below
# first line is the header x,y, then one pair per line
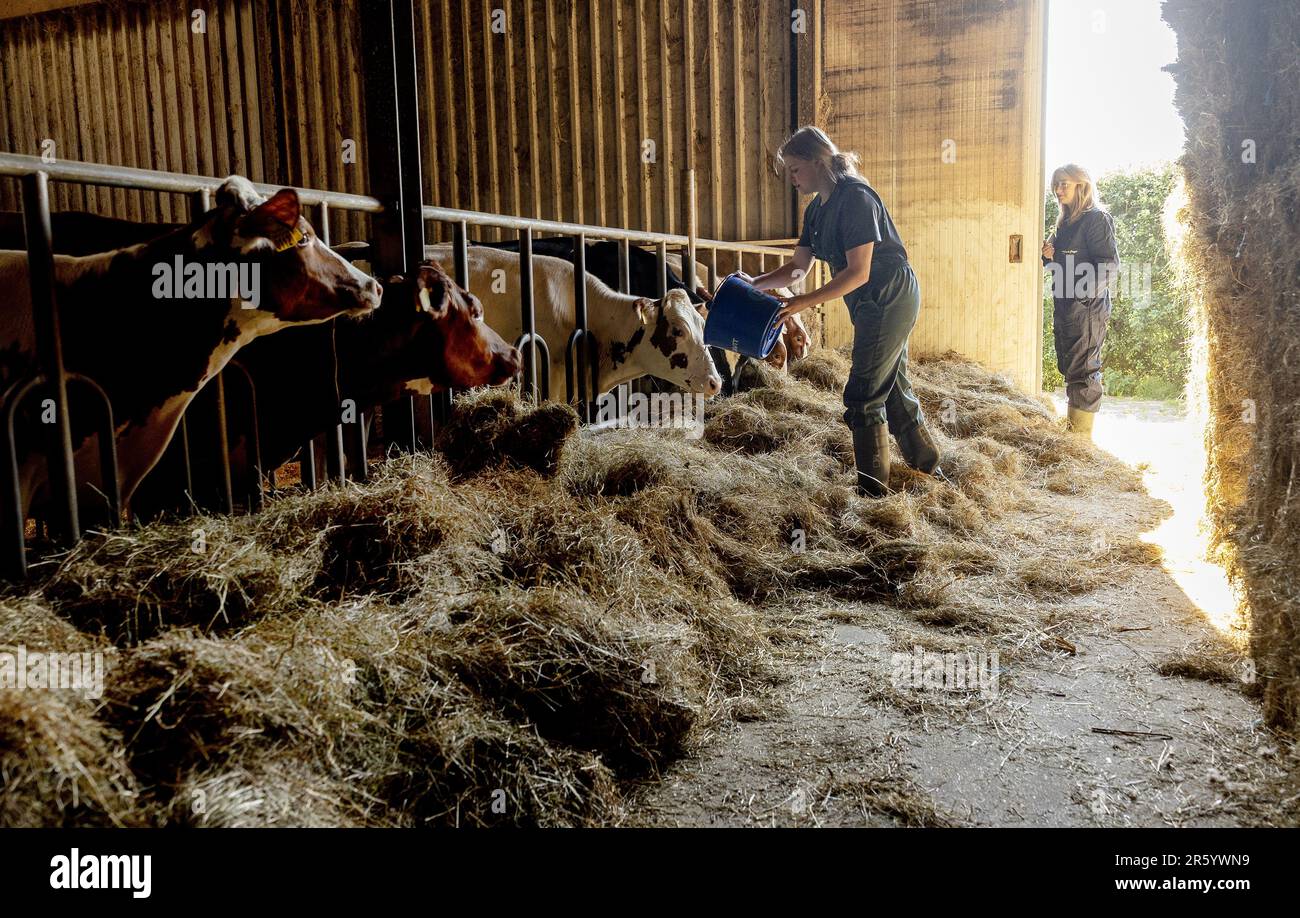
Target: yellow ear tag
x,y
294,237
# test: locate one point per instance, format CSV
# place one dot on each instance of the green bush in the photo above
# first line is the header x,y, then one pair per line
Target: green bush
x,y
1146,350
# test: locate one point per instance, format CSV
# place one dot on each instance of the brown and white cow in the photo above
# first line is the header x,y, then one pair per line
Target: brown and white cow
x,y
638,336
153,345
428,336
791,346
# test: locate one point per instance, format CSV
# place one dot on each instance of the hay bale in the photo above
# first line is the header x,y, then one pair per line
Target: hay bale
x,y
207,572
489,428
1236,66
553,657
61,767
823,369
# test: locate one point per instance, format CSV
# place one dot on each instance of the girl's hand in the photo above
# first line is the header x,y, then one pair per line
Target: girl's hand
x,y
793,305
1049,251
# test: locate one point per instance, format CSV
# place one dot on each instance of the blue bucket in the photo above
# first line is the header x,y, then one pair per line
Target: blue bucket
x,y
743,319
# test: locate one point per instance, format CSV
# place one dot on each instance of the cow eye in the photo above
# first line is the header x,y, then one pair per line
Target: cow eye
x,y
677,331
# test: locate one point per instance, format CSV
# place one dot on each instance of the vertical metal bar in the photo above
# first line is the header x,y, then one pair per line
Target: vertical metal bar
x,y
355,446
460,273
663,269
323,228
460,253
200,204
577,354
335,462
15,525
334,453
713,270
624,266
390,74
391,77
526,312
226,492
307,466
49,353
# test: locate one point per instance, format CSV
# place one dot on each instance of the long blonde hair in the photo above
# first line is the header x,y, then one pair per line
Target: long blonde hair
x,y
1086,200
811,143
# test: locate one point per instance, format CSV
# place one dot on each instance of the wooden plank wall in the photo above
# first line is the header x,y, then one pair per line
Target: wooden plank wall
x,y
548,116
136,85
900,78
544,118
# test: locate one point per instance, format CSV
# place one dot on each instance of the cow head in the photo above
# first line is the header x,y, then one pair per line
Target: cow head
x,y
301,279
451,345
675,350
797,339
778,356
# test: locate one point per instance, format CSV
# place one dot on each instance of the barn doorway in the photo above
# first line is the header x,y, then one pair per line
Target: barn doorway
x,y
1110,108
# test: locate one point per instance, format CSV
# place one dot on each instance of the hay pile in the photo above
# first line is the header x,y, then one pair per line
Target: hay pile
x,y
1238,89
510,631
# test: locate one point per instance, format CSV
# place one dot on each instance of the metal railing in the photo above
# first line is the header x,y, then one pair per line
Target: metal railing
x,y
52,378
581,348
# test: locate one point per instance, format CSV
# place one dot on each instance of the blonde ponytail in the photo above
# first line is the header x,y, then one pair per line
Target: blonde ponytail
x,y
812,144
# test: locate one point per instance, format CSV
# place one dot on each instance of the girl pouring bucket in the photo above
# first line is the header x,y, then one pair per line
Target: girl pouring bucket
x,y
847,226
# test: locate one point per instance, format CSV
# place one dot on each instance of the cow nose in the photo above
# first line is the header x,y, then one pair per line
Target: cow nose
x,y
513,362
713,385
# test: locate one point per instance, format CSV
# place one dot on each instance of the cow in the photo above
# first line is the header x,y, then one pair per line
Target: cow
x,y
601,259
428,336
792,345
78,233
638,336
153,322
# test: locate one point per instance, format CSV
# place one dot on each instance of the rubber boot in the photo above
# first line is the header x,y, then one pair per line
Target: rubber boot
x,y
1081,421
871,453
920,450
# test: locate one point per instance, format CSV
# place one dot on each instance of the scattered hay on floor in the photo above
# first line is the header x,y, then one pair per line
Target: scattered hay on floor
x,y
507,631
1215,662
884,796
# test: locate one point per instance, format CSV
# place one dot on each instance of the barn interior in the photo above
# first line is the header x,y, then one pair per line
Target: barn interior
x,y
531,624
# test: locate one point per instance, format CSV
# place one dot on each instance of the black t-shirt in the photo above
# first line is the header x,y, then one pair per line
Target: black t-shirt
x,y
853,215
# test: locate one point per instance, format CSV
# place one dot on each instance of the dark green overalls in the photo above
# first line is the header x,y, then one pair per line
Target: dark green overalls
x,y
883,311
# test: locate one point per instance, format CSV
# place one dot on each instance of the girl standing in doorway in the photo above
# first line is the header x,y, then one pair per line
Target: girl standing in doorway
x,y
1084,258
847,226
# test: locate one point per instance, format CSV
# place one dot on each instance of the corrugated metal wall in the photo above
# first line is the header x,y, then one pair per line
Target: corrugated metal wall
x,y
905,82
547,117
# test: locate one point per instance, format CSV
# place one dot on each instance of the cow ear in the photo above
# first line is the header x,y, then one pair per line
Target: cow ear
x,y
275,221
282,207
433,293
647,310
